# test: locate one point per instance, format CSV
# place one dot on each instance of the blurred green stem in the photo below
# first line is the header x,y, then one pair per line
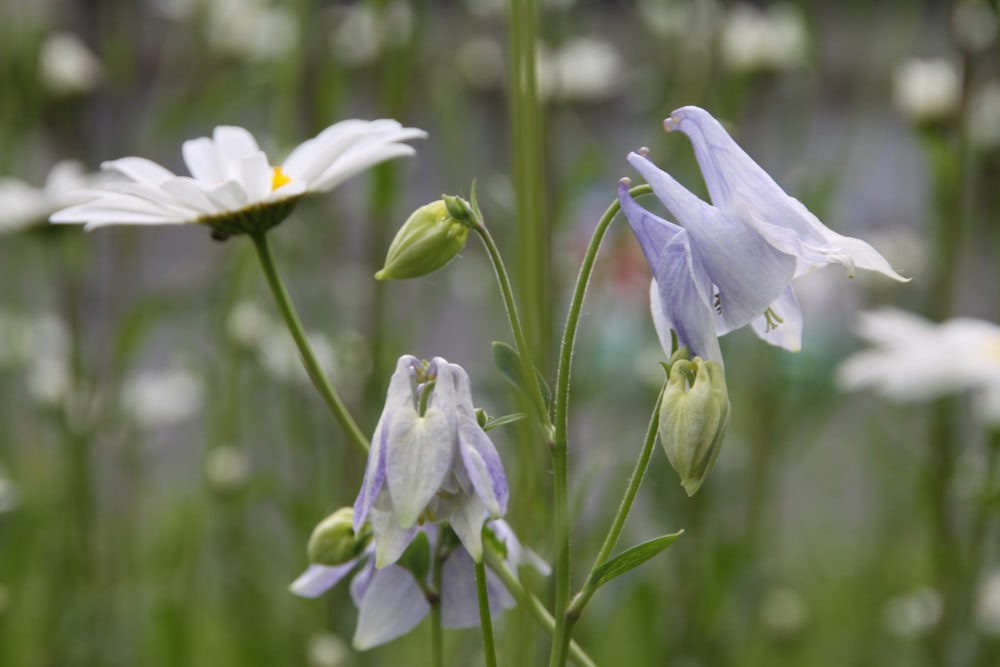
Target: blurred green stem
x,y
319,380
527,366
485,622
618,523
437,638
560,454
533,605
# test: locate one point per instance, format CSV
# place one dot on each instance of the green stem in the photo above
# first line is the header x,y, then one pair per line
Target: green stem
x,y
533,605
527,366
618,523
319,380
560,454
437,636
485,622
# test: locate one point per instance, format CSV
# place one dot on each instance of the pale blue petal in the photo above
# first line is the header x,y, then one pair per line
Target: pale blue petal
x,y
393,604
735,180
788,317
677,304
459,600
467,515
420,452
652,231
317,579
479,457
748,272
359,584
398,395
391,539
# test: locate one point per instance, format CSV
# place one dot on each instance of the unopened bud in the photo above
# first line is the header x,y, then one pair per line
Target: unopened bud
x,y
694,416
427,241
459,209
334,542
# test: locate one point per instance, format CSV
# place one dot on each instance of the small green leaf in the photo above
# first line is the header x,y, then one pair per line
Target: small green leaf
x,y
500,421
508,362
631,558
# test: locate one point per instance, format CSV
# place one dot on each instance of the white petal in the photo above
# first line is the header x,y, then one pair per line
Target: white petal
x,y
391,539
139,169
393,605
233,144
467,517
202,160
256,175
357,161
228,196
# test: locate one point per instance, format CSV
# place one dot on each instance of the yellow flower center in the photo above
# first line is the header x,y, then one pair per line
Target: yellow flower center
x,y
278,178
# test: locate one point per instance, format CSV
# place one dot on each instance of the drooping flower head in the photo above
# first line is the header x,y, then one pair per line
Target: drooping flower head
x,y
430,460
233,188
391,601
732,262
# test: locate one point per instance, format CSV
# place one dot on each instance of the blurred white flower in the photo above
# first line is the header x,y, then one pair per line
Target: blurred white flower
x,y
915,360
691,22
49,380
159,398
66,66
9,499
328,650
227,467
22,205
988,605
974,24
927,90
248,325
280,356
982,117
361,31
493,9
783,611
582,69
480,61
912,615
753,39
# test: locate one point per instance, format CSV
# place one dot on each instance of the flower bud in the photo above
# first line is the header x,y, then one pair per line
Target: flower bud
x,y
694,416
425,242
334,542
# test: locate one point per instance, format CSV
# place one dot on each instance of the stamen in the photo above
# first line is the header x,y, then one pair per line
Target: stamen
x,y
772,320
718,303
278,178
643,151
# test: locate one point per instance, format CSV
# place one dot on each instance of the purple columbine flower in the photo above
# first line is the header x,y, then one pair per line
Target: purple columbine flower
x,y
391,601
430,460
732,262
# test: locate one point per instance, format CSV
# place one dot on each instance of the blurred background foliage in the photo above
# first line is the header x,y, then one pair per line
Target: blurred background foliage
x,y
163,457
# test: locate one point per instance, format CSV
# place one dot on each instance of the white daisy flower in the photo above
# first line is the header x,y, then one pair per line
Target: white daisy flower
x,y
233,188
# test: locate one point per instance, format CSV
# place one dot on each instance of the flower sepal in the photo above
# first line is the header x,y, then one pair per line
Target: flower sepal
x,y
254,220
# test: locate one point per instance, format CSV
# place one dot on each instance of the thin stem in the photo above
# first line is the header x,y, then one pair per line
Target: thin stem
x,y
319,380
534,606
485,621
437,636
560,454
618,523
527,366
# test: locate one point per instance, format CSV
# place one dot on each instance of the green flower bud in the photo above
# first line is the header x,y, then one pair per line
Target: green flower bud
x,y
333,541
694,416
425,243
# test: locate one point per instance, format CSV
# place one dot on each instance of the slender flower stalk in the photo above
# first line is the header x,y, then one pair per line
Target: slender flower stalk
x,y
326,390
485,622
527,369
618,523
560,454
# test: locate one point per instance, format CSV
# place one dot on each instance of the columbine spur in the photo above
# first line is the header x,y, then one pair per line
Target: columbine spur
x,y
391,601
732,262
430,460
233,188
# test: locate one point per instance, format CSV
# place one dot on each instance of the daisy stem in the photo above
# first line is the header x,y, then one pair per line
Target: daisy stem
x,y
485,622
560,453
294,324
618,523
527,365
534,606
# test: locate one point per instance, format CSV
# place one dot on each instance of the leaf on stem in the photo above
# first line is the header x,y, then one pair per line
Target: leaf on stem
x,y
508,362
631,558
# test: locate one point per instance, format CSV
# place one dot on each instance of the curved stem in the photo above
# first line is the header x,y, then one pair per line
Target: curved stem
x,y
618,523
560,454
527,365
485,622
319,380
534,606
